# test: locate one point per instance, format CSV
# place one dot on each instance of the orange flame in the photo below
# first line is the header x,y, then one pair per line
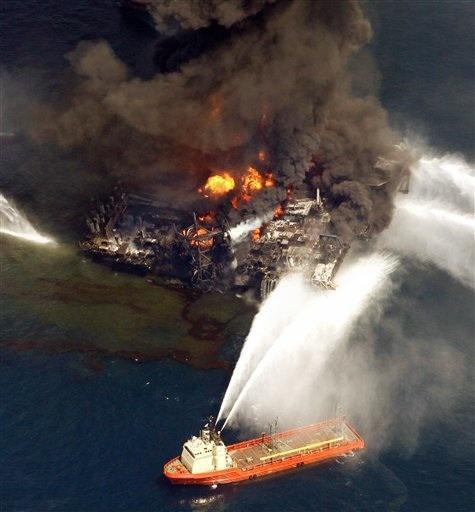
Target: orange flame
x,y
278,212
194,237
254,181
218,185
255,234
221,183
204,244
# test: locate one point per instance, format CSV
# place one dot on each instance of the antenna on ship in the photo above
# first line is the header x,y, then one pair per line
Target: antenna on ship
x,y
273,432
214,434
211,423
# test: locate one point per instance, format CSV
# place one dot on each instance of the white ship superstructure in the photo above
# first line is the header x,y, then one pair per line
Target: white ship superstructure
x,y
205,453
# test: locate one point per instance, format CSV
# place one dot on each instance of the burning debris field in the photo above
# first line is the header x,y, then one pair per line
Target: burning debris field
x,y
261,150
206,218
134,232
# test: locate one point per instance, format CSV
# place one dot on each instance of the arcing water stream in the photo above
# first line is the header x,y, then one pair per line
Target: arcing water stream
x,y
435,221
13,223
448,179
239,232
292,338
297,329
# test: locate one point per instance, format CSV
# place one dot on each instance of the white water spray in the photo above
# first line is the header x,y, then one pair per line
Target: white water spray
x,y
275,313
13,223
448,179
278,373
435,221
239,232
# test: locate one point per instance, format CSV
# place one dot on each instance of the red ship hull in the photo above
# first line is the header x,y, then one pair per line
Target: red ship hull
x,y
178,474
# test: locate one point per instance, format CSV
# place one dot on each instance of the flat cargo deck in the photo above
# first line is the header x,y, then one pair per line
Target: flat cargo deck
x,y
270,454
293,442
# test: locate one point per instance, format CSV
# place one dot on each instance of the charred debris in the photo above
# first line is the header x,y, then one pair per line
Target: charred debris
x,y
133,232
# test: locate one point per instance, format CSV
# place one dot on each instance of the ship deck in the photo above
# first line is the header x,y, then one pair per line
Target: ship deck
x,y
319,437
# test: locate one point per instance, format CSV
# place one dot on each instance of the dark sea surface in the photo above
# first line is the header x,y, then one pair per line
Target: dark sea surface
x,y
90,408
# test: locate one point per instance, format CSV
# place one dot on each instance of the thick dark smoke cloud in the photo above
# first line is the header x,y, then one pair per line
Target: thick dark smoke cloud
x,y
279,82
202,13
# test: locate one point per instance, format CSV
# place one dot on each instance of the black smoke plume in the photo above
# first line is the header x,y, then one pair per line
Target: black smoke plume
x,y
279,80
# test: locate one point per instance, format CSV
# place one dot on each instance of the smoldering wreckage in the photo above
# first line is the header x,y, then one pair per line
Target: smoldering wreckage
x,y
134,232
275,126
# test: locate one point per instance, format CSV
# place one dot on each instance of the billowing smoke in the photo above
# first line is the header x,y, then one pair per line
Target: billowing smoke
x,y
278,81
435,221
285,357
193,14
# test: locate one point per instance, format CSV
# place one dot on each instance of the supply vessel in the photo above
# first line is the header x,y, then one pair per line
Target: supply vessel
x,y
206,460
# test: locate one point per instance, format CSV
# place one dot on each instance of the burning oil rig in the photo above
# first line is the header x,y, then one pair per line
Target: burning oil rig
x,y
297,238
133,232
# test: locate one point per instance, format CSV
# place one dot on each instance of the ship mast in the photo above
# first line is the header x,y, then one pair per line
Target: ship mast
x,y
273,432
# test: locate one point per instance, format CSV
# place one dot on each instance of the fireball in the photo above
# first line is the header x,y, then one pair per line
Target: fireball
x,y
253,181
218,185
221,183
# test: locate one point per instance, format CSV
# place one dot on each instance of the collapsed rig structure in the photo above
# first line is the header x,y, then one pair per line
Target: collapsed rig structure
x,y
298,238
133,232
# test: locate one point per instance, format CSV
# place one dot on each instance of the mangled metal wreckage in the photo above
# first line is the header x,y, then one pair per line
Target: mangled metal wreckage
x,y
134,232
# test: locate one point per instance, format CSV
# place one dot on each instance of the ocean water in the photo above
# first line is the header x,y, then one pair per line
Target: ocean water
x,y
81,437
